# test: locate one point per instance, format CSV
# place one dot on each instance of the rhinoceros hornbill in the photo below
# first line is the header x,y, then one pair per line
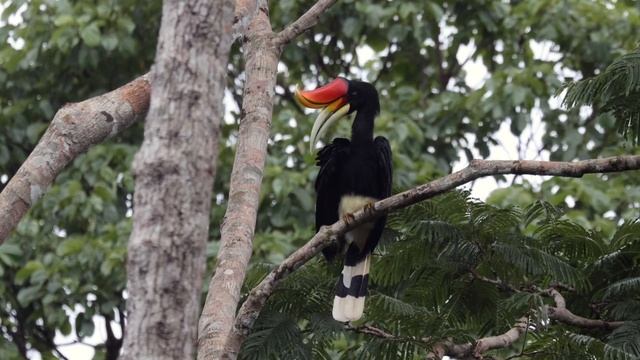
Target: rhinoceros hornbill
x,y
353,175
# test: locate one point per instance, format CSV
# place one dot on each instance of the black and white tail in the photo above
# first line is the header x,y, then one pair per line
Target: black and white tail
x,y
351,290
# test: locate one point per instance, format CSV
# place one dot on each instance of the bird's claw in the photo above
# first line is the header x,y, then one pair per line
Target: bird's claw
x,y
369,208
348,218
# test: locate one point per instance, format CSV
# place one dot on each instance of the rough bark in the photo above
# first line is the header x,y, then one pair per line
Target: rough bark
x,y
262,50
251,308
237,229
244,12
74,128
174,171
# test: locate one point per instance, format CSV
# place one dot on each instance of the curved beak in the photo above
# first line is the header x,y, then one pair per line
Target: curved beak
x,y
332,99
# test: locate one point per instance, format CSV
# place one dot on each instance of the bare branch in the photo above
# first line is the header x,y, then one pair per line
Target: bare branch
x,y
501,341
476,349
304,22
472,350
562,314
74,128
372,330
478,168
497,282
238,226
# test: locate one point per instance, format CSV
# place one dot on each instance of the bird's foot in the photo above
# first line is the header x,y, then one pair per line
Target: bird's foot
x,y
348,218
369,208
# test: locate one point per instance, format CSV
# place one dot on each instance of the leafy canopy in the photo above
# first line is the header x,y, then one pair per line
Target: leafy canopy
x,y
68,253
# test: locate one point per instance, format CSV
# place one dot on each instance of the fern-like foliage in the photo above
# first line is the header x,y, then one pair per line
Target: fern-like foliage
x,y
275,335
458,269
600,349
616,91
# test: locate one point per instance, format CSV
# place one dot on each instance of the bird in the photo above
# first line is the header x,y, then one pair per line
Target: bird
x,y
354,173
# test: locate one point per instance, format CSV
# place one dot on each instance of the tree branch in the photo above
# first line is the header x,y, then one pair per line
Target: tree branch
x,y
74,128
244,12
559,313
497,282
217,337
471,350
476,349
477,168
238,226
304,22
562,314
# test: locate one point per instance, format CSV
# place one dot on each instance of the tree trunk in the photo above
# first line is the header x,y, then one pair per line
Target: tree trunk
x,y
174,171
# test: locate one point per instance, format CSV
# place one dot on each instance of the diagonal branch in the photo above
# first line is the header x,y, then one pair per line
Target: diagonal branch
x,y
74,128
562,314
476,349
477,168
304,22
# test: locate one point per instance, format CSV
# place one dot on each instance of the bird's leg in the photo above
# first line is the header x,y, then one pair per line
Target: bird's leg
x,y
348,218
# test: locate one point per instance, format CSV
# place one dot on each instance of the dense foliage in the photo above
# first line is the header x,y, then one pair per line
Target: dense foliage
x,y
64,264
614,91
458,269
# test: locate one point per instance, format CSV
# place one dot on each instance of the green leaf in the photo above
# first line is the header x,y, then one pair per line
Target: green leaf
x,y
70,246
29,268
10,249
351,26
109,42
35,130
28,295
84,325
64,20
90,34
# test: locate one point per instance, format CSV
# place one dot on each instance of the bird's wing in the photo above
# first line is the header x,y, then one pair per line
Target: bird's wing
x,y
330,159
384,176
385,169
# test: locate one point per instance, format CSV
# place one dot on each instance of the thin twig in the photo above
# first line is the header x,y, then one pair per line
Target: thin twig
x,y
304,22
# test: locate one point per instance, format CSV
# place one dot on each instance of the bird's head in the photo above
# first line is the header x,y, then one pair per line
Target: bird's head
x,y
338,99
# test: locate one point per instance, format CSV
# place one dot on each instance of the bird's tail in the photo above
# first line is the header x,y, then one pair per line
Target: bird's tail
x,y
351,290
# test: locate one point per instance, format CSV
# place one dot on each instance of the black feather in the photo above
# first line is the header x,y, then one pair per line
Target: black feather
x,y
346,169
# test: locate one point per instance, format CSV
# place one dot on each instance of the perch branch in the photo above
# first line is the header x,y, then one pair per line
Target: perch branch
x,y
251,308
74,128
